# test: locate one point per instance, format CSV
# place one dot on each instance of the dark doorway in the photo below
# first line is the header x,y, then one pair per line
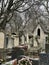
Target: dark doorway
x,y
38,32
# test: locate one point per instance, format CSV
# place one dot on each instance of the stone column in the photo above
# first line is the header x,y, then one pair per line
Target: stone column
x,y
27,38
2,36
28,41
23,40
16,41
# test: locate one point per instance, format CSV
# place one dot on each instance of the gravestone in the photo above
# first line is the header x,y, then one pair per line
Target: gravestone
x,y
16,52
34,61
48,58
44,58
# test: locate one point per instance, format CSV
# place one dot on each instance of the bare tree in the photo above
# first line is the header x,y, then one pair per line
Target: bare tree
x,y
8,7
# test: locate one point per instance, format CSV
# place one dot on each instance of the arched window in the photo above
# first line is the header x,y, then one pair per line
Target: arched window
x,y
38,32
